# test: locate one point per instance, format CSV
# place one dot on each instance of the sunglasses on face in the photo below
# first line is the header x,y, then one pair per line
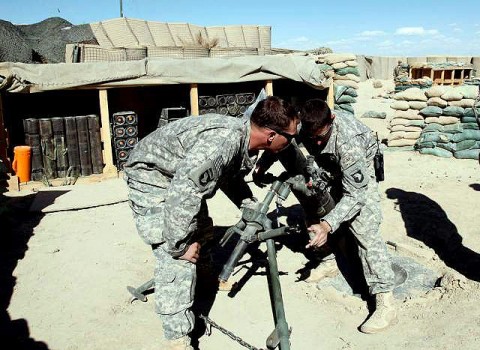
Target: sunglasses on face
x,y
322,135
288,136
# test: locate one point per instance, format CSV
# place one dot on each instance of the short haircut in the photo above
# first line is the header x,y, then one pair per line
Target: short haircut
x,y
315,114
273,111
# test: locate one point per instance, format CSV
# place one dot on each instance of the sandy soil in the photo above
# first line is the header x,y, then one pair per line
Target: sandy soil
x,y
64,274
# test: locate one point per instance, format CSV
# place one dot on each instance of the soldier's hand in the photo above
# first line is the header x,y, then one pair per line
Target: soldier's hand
x,y
193,253
320,232
258,176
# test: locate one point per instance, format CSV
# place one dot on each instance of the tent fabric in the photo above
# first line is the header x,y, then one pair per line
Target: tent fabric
x,y
20,77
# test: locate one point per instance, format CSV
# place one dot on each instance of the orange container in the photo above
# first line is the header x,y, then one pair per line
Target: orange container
x,y
21,162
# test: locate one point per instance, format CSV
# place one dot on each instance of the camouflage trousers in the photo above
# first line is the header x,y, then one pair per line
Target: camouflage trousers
x,y
175,282
372,250
175,279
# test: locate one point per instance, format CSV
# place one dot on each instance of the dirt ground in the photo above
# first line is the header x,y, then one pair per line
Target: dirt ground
x,y
64,273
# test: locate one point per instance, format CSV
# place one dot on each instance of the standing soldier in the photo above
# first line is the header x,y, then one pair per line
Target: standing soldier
x,y
172,172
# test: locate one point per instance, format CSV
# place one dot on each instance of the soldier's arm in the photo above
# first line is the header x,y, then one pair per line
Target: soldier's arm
x,y
195,179
354,183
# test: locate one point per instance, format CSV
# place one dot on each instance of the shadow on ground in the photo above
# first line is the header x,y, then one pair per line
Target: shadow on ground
x,y
17,228
427,222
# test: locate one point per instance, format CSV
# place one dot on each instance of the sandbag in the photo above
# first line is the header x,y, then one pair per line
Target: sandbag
x,y
453,111
436,91
467,135
469,112
348,70
464,103
452,95
411,94
439,152
400,105
437,101
418,105
405,128
331,58
431,111
346,99
351,63
411,114
399,121
339,65
473,126
467,154
349,83
374,114
401,142
442,120
468,91
436,137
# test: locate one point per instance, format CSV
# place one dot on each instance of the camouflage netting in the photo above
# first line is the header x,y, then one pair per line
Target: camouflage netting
x,y
41,42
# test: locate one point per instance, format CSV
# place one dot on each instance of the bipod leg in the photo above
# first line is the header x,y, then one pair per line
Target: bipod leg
x,y
138,293
281,334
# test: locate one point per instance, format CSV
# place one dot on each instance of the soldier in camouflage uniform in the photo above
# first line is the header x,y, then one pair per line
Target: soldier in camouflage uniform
x,y
173,171
345,148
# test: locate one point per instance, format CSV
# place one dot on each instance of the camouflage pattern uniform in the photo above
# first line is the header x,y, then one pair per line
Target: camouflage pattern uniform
x,y
170,174
348,156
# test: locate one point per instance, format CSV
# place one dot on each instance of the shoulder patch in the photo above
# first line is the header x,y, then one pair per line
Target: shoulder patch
x,y
206,173
356,175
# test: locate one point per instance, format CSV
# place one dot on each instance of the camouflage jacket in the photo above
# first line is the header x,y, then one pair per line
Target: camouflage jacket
x,y
190,159
348,156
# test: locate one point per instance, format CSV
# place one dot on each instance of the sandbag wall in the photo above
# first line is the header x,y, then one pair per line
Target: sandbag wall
x,y
228,104
343,68
64,146
438,121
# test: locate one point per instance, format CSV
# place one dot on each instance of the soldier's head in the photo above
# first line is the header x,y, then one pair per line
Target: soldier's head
x,y
274,124
317,121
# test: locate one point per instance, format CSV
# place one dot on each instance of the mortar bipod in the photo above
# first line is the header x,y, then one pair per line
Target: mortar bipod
x,y
139,293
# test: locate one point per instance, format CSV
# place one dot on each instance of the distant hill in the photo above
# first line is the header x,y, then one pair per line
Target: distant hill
x,y
42,42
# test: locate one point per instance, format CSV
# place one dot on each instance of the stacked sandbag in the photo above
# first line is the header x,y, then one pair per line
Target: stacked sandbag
x,y
450,124
407,123
345,76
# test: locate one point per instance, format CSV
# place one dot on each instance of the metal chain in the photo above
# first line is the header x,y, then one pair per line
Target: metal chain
x,y
239,340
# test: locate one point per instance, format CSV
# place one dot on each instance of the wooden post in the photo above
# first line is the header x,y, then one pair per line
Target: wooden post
x,y
269,87
3,139
109,168
331,96
194,100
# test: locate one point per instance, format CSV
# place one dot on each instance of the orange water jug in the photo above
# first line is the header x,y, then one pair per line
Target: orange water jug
x,y
21,162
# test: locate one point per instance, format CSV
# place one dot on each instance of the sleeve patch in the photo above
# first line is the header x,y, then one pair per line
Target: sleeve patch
x,y
356,176
206,173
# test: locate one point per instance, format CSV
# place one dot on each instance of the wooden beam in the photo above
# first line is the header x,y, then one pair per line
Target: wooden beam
x,y
269,87
331,96
106,137
194,100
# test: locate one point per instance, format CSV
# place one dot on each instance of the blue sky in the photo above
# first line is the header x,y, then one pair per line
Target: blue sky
x,y
371,27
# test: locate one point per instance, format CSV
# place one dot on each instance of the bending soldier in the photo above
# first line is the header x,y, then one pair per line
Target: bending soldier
x,y
172,172
346,148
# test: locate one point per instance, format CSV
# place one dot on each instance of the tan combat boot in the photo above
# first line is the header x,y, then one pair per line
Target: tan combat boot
x,y
327,268
182,343
384,315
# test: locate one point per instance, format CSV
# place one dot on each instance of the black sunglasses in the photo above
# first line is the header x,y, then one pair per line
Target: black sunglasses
x,y
321,136
288,136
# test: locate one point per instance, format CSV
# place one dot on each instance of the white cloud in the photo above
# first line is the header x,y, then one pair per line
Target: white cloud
x,y
415,31
372,33
300,39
